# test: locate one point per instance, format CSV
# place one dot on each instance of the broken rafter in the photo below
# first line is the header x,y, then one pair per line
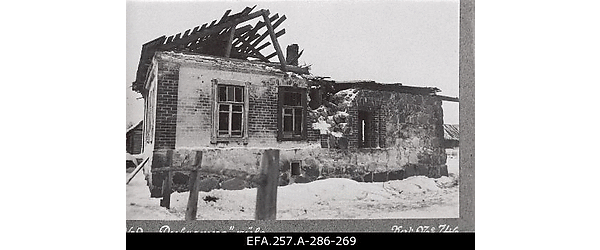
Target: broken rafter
x,y
230,41
264,35
265,15
252,34
213,29
255,52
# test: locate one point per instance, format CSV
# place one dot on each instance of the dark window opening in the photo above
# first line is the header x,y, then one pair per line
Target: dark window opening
x,y
296,167
292,124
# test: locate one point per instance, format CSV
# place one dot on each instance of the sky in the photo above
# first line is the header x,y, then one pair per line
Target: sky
x,y
410,42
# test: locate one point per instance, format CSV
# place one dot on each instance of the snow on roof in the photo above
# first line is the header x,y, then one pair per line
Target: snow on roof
x,y
134,126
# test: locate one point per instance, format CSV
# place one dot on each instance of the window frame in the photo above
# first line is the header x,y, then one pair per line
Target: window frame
x,y
216,137
281,136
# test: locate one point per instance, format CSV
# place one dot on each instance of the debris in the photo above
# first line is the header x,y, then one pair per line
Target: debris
x,y
210,198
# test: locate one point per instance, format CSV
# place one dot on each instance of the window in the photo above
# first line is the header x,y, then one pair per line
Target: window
x,y
292,113
230,110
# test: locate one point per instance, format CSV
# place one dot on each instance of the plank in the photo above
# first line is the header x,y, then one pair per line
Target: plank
x,y
136,170
279,21
217,28
280,33
274,39
252,35
266,194
264,35
263,46
225,16
166,186
448,98
230,41
271,55
192,205
254,52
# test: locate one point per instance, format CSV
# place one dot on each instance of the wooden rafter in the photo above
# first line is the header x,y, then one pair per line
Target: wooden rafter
x,y
265,15
221,37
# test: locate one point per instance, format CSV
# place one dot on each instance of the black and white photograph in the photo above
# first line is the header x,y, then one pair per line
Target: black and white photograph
x,y
293,110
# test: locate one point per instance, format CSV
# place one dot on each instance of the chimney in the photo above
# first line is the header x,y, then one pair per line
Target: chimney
x,y
292,55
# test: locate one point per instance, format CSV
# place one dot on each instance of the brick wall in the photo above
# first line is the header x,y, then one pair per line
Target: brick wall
x,y
166,105
194,120
262,113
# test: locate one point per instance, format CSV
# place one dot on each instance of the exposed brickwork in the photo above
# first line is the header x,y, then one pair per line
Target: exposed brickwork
x,y
407,128
262,115
166,105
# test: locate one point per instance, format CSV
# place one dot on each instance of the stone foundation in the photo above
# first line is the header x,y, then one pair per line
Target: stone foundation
x,y
238,168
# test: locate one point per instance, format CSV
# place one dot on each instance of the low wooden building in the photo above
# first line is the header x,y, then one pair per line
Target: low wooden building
x,y
134,138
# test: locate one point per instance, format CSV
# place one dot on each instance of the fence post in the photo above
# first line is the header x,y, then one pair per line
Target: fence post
x,y
266,194
166,187
192,206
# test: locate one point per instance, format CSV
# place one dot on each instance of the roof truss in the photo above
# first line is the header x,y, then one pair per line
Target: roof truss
x,y
226,37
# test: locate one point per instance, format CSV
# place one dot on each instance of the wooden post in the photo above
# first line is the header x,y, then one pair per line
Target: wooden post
x,y
274,39
266,194
230,41
166,187
192,206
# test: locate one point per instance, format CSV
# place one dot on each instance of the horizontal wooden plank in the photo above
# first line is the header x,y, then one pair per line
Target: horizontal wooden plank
x,y
447,98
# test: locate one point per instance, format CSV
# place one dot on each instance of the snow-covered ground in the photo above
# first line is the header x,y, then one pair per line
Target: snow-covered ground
x,y
335,198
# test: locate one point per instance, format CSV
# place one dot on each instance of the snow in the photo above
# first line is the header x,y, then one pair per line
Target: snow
x,y
321,125
334,198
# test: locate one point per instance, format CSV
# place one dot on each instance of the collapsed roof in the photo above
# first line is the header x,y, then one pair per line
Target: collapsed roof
x,y
228,38
225,38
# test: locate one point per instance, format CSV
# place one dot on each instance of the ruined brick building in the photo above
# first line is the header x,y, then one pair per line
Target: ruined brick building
x,y
212,89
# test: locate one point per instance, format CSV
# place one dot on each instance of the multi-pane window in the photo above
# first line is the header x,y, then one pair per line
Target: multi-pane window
x,y
292,113
230,105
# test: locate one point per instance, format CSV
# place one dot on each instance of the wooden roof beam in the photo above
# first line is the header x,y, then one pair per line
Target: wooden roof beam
x,y
265,15
447,98
213,29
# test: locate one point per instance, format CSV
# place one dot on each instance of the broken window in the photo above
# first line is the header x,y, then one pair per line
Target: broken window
x,y
292,113
230,110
